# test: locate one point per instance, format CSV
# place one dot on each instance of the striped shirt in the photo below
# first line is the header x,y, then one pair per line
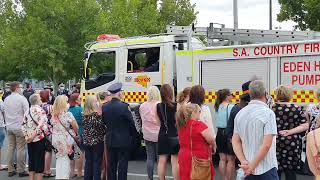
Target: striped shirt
x,y
252,123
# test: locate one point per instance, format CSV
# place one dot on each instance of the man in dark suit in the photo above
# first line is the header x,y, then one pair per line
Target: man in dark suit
x,y
120,133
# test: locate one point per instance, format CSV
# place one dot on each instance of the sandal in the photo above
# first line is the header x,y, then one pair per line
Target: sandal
x,y
3,169
49,175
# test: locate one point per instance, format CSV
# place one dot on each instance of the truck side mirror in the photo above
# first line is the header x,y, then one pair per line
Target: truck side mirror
x,y
86,55
180,46
87,73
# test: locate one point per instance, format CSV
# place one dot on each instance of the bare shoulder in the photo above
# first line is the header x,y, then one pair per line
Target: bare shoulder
x,y
310,135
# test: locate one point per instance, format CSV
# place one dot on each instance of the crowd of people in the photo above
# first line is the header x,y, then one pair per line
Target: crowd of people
x,y
255,139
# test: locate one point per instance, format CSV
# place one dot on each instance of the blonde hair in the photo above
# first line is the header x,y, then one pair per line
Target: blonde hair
x,y
284,93
153,94
101,96
184,114
60,105
90,104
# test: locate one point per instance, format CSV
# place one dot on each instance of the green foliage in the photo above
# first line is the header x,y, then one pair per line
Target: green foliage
x,y
304,12
102,62
177,12
44,39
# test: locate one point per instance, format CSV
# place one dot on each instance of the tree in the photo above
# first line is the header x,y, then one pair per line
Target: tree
x,y
141,17
45,39
304,12
177,12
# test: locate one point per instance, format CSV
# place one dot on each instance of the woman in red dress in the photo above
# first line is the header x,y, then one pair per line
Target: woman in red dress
x,y
202,139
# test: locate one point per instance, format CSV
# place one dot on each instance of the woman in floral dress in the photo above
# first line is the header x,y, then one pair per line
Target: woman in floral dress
x,y
64,130
291,124
35,129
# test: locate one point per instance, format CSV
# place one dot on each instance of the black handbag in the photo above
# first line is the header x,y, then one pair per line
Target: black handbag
x,y
173,141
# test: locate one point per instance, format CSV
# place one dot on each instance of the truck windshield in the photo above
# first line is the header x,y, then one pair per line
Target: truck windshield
x,y
100,69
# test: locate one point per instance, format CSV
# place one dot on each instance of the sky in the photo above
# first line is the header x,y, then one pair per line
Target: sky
x,y
252,14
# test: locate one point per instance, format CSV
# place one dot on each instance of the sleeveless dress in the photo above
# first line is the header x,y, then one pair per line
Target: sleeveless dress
x,y
63,142
200,147
167,128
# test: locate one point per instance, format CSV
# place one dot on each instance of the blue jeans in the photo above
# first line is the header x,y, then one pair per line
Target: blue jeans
x,y
151,148
272,174
2,136
92,167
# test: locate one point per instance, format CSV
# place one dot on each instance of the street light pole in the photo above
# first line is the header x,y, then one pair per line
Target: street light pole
x,y
235,14
270,14
235,17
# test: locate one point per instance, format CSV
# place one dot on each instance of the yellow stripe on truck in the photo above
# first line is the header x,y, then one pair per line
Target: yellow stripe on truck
x,y
105,45
301,96
144,41
205,51
84,95
129,97
135,97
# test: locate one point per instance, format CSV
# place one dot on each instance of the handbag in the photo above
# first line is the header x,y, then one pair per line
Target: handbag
x,y
74,155
75,138
173,141
200,168
48,143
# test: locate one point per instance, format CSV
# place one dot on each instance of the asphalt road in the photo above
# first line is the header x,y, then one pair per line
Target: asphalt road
x,y
136,171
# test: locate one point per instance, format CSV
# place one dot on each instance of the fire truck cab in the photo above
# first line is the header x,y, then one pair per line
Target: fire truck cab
x,y
136,62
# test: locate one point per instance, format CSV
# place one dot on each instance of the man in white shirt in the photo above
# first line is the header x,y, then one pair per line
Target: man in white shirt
x,y
15,106
254,139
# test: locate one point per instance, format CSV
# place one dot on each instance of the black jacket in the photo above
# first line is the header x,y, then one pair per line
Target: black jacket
x,y
120,125
27,93
230,125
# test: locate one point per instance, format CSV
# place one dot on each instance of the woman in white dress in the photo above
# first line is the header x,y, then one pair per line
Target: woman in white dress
x,y
64,130
197,96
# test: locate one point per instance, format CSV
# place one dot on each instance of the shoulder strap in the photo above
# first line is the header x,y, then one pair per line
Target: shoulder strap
x,y
315,141
164,115
74,138
66,129
227,112
34,121
63,126
191,139
209,150
308,118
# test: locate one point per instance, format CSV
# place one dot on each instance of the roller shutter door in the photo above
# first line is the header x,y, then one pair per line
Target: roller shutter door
x,y
231,74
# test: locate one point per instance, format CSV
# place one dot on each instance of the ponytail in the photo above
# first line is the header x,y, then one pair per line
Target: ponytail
x,y
184,114
218,101
222,95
